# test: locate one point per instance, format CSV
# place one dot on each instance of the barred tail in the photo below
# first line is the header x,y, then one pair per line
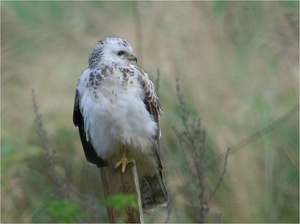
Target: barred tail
x,y
153,192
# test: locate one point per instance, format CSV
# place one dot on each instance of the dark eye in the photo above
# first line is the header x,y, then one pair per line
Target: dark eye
x,y
120,53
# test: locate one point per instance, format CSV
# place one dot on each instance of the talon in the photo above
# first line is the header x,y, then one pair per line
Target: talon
x,y
124,161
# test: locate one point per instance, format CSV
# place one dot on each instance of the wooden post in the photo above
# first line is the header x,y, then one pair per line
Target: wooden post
x,y
115,182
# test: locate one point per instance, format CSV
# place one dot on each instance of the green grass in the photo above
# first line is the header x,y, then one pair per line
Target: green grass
x,y
236,72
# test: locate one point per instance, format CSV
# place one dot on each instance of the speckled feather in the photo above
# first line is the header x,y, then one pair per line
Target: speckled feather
x,y
116,106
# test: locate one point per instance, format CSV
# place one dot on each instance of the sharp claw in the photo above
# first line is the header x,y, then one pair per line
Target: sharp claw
x,y
123,167
118,164
124,161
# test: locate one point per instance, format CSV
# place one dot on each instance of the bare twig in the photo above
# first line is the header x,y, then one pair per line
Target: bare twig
x,y
202,173
246,141
192,144
157,80
194,137
256,135
183,109
50,155
221,177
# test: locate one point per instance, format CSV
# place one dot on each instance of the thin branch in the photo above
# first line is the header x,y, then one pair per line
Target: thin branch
x,y
221,177
202,174
183,141
157,80
256,135
183,109
193,136
48,154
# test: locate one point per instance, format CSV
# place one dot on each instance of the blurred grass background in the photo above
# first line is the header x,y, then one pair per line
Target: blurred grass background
x,y
238,66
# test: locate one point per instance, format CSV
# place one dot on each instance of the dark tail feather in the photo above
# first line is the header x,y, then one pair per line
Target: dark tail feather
x,y
153,192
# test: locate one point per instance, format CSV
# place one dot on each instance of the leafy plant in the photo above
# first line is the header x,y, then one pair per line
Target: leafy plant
x,y
121,201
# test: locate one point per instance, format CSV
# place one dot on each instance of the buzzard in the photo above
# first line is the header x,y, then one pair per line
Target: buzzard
x,y
117,113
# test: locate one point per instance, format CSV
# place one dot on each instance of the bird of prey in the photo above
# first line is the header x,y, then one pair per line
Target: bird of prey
x,y
117,113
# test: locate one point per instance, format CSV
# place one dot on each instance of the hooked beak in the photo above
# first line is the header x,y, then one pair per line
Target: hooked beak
x,y
132,57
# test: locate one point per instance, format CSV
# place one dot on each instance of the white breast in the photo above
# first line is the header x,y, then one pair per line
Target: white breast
x,y
115,114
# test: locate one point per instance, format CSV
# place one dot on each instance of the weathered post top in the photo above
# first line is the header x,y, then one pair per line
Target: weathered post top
x,y
115,182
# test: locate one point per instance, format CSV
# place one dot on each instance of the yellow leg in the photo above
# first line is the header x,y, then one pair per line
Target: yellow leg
x,y
124,161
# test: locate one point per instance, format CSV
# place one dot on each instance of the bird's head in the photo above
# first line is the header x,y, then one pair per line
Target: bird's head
x,y
111,49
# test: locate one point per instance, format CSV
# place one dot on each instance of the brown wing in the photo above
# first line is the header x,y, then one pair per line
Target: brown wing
x,y
152,104
153,189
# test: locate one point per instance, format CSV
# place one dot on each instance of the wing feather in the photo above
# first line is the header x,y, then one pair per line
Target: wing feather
x,y
152,104
88,149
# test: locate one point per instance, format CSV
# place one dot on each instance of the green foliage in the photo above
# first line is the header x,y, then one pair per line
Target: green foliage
x,y
64,211
59,211
121,201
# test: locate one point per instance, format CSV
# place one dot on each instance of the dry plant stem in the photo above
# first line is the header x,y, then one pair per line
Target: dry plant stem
x,y
194,136
256,135
201,173
221,177
182,106
48,154
157,80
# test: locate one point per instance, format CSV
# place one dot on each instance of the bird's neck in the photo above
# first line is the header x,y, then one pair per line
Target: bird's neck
x,y
121,63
